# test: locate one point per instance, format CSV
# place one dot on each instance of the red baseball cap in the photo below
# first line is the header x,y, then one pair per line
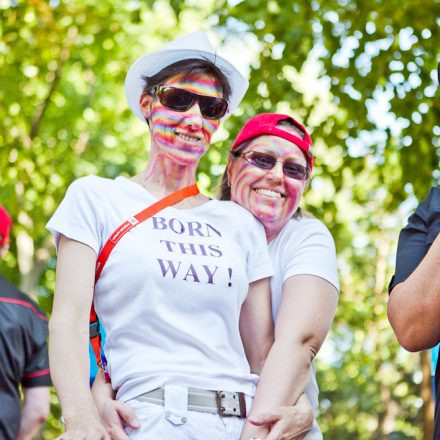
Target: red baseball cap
x,y
5,226
266,123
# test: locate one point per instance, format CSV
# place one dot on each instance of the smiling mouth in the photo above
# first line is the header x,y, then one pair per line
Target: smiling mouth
x,y
188,138
269,193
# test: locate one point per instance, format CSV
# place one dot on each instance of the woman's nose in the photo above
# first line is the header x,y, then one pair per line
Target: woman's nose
x,y
193,117
276,173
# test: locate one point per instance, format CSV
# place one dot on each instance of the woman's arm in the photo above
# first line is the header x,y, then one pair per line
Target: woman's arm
x,y
306,313
256,327
415,287
69,337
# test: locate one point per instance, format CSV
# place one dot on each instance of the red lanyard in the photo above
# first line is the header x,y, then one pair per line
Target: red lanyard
x,y
171,199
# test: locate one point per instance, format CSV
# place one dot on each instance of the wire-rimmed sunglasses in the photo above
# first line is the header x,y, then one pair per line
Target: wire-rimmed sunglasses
x,y
181,100
266,161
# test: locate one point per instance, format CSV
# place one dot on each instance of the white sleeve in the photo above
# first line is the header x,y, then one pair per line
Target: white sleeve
x,y
78,216
312,253
258,261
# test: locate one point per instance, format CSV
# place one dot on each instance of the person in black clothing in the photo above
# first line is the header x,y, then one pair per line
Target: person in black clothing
x,y
23,356
414,304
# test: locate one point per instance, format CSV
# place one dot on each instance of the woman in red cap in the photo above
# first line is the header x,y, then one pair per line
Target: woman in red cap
x,y
269,168
268,171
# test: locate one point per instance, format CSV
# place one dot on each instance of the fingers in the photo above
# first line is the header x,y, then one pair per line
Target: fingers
x,y
283,431
127,415
265,418
118,415
279,432
117,432
275,433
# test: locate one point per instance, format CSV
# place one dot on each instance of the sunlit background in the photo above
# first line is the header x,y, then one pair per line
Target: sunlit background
x,y
360,75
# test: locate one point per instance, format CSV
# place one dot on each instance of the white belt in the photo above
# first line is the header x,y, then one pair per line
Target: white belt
x,y
224,403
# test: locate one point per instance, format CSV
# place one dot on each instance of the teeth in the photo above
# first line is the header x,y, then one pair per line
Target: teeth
x,y
269,193
185,137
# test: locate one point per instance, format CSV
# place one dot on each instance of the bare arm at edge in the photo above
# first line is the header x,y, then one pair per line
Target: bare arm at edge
x,y
414,304
68,340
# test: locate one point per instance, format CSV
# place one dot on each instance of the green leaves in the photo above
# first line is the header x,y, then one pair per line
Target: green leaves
x,y
360,75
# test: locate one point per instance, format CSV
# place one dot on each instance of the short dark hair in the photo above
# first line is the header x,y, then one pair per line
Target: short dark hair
x,y
297,131
289,123
224,192
189,66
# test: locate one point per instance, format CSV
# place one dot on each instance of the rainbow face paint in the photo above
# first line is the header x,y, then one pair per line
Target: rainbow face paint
x,y
184,137
271,196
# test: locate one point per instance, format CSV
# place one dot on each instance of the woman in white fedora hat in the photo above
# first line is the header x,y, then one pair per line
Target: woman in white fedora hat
x,y
184,295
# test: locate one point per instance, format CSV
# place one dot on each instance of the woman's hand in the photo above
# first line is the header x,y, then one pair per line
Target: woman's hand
x,y
115,416
287,422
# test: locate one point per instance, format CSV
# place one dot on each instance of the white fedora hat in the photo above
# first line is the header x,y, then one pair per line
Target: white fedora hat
x,y
193,45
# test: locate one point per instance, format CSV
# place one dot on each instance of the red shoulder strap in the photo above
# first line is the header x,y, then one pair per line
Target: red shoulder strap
x,y
171,199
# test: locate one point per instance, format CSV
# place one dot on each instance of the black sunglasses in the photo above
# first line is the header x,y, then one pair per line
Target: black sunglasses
x,y
266,161
181,100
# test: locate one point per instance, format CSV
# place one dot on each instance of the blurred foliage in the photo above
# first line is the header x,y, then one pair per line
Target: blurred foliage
x,y
360,75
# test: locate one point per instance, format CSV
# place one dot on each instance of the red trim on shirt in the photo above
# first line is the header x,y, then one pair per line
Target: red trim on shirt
x,y
23,303
37,373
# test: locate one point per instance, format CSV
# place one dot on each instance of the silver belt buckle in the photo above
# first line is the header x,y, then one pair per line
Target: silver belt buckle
x,y
230,404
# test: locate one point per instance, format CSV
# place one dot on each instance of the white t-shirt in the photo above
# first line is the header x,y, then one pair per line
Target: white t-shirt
x,y
170,294
303,247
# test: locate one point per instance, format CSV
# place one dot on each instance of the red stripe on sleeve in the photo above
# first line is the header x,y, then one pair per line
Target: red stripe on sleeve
x,y
23,303
37,373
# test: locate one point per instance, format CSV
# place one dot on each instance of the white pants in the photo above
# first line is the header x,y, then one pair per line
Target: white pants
x,y
173,421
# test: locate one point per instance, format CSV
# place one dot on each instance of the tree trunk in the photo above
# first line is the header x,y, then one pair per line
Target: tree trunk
x,y
386,418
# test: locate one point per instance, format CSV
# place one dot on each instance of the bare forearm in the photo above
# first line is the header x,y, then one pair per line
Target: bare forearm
x,y
413,305
102,392
282,381
284,377
70,370
258,358
256,326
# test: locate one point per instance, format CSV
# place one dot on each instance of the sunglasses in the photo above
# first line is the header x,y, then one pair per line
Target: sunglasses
x,y
181,100
266,161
